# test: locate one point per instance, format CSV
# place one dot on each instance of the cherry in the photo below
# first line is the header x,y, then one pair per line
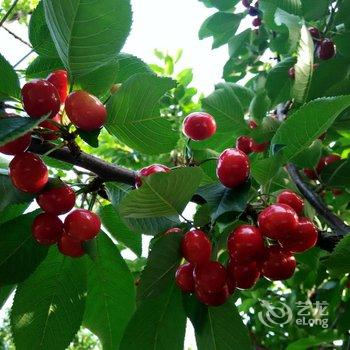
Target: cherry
x,y
28,172
246,3
149,170
327,160
233,167
231,283
279,264
252,124
71,247
196,247
253,11
337,192
246,243
260,147
325,49
213,299
47,229
315,33
40,98
59,79
184,278
291,73
199,126
245,144
57,199
311,173
85,111
210,277
256,22
246,275
82,225
278,221
172,230
292,199
47,124
305,237
17,146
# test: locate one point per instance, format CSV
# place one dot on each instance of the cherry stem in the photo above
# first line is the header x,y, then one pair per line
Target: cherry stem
x,y
7,14
206,160
59,146
92,201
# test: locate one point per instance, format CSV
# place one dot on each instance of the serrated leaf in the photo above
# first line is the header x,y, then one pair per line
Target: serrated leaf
x,y
259,106
91,138
163,260
264,170
162,194
87,39
311,121
336,174
59,285
116,227
156,318
202,216
134,117
13,128
238,44
9,82
221,5
130,65
304,66
310,156
20,254
41,67
12,211
291,6
314,9
110,299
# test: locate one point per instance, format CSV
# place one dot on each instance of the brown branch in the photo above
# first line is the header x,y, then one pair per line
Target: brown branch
x,y
104,170
16,36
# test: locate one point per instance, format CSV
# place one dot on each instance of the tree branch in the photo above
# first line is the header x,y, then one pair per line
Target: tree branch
x,y
104,170
7,14
337,225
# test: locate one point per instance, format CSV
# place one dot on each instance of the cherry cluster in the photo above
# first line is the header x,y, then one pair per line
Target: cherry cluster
x,y
265,250
29,173
253,10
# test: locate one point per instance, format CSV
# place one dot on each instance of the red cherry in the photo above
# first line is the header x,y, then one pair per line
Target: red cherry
x,y
213,299
233,167
47,229
279,264
199,126
59,79
85,111
315,33
70,246
305,237
46,124
292,199
252,124
246,275
325,49
256,22
40,98
196,247
291,73
17,146
278,221
260,147
57,200
82,224
28,172
311,173
246,243
253,11
327,160
210,277
149,170
184,278
172,230
244,144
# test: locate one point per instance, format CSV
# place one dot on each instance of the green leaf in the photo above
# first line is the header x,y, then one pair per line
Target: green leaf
x,y
20,254
5,293
87,36
9,82
310,156
12,211
311,121
130,65
158,323
304,66
133,115
162,194
238,44
336,174
113,223
223,200
221,26
12,128
221,5
90,137
260,106
10,195
110,299
312,341
147,226
264,170
221,328
202,216
42,66
59,286
278,84
342,42
314,9
291,6
39,34
164,258
338,262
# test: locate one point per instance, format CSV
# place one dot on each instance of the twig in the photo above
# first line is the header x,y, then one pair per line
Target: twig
x,y
7,14
16,36
23,58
